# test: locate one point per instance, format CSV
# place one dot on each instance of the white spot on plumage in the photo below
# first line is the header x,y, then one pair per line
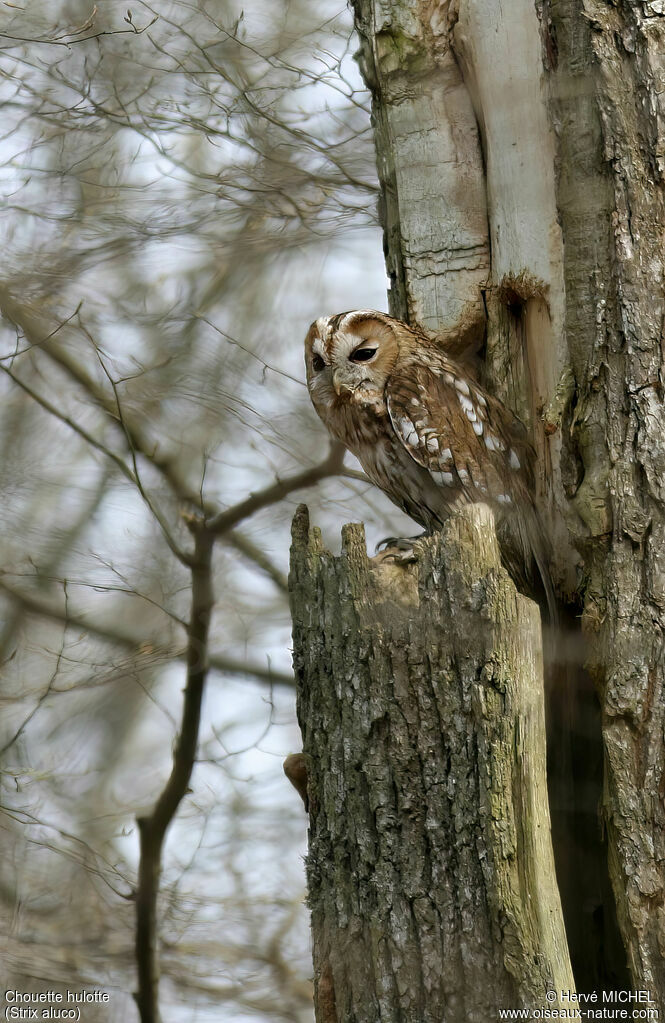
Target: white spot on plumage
x,y
479,398
432,444
471,411
504,499
446,478
477,428
462,386
407,431
463,475
445,456
514,460
449,378
318,346
493,443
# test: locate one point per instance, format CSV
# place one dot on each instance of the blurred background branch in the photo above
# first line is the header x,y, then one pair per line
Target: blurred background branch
x,y
186,187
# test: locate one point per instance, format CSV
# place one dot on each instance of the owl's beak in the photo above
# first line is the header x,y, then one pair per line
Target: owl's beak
x,y
339,383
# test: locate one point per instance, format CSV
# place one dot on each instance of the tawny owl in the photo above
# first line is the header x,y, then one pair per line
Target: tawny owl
x,y
426,434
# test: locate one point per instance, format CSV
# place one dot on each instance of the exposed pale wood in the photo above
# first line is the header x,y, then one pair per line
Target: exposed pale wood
x,y
499,48
434,207
467,161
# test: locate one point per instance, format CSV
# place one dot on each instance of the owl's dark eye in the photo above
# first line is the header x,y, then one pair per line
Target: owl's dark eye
x,y
318,364
362,354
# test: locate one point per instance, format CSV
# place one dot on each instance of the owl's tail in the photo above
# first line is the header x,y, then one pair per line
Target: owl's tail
x,y
541,554
525,551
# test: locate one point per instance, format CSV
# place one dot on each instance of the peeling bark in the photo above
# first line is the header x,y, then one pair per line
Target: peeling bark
x,y
430,869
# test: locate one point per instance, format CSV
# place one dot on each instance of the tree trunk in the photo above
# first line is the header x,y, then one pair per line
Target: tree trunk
x,y
430,868
521,154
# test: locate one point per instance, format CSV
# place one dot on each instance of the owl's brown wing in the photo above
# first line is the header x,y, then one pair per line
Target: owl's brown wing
x,y
475,449
466,440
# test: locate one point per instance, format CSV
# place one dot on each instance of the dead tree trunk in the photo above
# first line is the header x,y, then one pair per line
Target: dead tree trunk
x,y
430,869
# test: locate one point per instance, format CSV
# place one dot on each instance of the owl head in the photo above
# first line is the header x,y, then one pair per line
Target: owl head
x,y
349,357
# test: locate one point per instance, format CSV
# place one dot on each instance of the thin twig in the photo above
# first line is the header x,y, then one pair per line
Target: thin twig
x,y
65,543
137,475
68,43
44,696
21,351
248,351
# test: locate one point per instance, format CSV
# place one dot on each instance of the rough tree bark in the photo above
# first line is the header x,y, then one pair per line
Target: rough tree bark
x,y
520,149
606,92
430,866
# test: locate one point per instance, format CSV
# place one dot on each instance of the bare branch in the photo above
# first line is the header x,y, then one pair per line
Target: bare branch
x,y
152,829
83,433
44,696
249,550
65,543
267,366
227,520
31,604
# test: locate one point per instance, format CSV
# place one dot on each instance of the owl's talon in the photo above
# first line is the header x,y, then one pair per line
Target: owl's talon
x,y
401,550
398,557
402,543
